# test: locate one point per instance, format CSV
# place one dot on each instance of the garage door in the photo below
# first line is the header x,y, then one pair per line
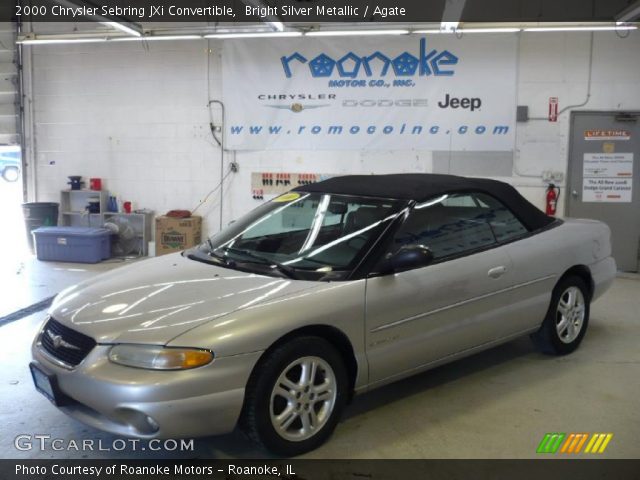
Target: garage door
x,y
8,86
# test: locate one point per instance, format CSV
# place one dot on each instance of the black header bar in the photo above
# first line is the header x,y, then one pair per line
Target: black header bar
x,y
583,469
314,11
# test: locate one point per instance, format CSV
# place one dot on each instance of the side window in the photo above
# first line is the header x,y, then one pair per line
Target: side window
x,y
503,222
451,225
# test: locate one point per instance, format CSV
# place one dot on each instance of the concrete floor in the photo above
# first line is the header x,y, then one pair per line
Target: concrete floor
x,y
31,280
497,404
25,280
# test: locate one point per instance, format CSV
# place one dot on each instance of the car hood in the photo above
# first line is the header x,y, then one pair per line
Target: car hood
x,y
155,300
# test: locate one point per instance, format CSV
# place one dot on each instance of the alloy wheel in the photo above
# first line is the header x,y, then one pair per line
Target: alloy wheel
x,y
570,314
303,398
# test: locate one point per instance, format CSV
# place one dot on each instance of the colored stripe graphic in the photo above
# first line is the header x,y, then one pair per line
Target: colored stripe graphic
x,y
574,443
581,443
598,443
568,442
550,442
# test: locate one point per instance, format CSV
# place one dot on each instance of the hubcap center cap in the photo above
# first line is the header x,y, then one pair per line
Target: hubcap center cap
x,y
306,398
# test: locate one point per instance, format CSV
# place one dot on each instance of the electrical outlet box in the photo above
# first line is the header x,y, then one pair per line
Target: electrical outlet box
x,y
552,176
522,113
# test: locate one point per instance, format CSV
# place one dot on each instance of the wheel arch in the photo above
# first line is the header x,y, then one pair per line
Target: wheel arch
x,y
583,272
331,334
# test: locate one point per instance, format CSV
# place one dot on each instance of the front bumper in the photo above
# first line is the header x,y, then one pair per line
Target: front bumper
x,y
152,404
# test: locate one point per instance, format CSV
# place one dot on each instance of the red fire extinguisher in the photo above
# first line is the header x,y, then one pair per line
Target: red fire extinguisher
x,y
553,194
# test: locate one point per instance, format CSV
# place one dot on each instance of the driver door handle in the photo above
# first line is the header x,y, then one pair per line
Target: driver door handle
x,y
496,272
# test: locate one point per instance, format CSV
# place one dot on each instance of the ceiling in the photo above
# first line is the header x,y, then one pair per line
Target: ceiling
x,y
458,15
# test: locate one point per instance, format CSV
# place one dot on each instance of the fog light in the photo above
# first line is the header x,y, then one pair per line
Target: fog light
x,y
137,420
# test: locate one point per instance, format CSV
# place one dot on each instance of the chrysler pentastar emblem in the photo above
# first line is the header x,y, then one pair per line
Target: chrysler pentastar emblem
x,y
58,341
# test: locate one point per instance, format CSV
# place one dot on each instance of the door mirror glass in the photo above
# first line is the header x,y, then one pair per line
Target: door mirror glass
x,y
406,258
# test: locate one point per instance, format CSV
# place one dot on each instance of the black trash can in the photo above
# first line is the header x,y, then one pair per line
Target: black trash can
x,y
39,214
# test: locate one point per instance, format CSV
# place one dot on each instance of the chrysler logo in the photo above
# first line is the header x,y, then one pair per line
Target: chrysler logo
x,y
58,341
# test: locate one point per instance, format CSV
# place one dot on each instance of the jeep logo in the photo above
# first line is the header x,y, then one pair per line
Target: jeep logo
x,y
426,63
453,102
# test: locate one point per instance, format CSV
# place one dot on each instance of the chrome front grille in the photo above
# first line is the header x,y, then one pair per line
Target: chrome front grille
x,y
64,343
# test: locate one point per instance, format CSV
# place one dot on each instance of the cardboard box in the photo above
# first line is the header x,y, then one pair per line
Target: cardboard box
x,y
176,234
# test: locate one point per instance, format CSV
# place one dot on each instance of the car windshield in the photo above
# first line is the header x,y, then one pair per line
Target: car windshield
x,y
311,236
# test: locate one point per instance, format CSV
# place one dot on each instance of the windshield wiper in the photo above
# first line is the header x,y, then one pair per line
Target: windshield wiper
x,y
285,270
210,244
211,260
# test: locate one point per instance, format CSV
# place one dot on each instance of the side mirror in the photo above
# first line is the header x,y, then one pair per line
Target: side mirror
x,y
406,258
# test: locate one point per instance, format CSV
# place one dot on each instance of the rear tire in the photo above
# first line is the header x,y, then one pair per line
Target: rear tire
x,y
567,318
295,396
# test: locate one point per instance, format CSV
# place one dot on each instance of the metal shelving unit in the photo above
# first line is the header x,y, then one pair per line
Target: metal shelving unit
x,y
73,213
73,207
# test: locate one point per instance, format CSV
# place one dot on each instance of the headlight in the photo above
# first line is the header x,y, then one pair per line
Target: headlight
x,y
159,358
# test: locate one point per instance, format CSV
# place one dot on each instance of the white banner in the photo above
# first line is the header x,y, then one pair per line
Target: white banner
x,y
431,92
607,177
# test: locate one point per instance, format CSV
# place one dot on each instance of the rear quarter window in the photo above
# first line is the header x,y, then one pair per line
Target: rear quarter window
x,y
504,224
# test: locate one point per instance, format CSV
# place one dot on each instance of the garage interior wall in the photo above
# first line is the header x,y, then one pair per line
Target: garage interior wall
x,y
136,115
9,126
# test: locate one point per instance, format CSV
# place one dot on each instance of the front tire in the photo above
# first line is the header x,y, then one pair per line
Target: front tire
x,y
295,396
567,319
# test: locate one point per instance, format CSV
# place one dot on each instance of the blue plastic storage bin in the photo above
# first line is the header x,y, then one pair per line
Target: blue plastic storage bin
x,y
72,244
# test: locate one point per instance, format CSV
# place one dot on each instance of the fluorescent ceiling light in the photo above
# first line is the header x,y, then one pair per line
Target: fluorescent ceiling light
x,y
123,28
165,37
581,28
489,30
36,41
338,33
471,30
254,35
42,41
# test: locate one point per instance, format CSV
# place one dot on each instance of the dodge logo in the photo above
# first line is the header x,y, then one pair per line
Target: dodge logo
x,y
59,342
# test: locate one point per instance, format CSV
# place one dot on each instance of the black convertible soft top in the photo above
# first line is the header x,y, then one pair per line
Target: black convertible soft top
x,y
423,186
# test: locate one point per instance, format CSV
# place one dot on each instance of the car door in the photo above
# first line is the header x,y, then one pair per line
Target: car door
x,y
460,301
534,268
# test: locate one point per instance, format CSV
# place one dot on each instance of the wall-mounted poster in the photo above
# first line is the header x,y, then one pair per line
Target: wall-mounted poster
x,y
607,177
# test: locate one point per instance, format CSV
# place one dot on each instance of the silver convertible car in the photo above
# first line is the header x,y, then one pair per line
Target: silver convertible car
x,y
329,290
